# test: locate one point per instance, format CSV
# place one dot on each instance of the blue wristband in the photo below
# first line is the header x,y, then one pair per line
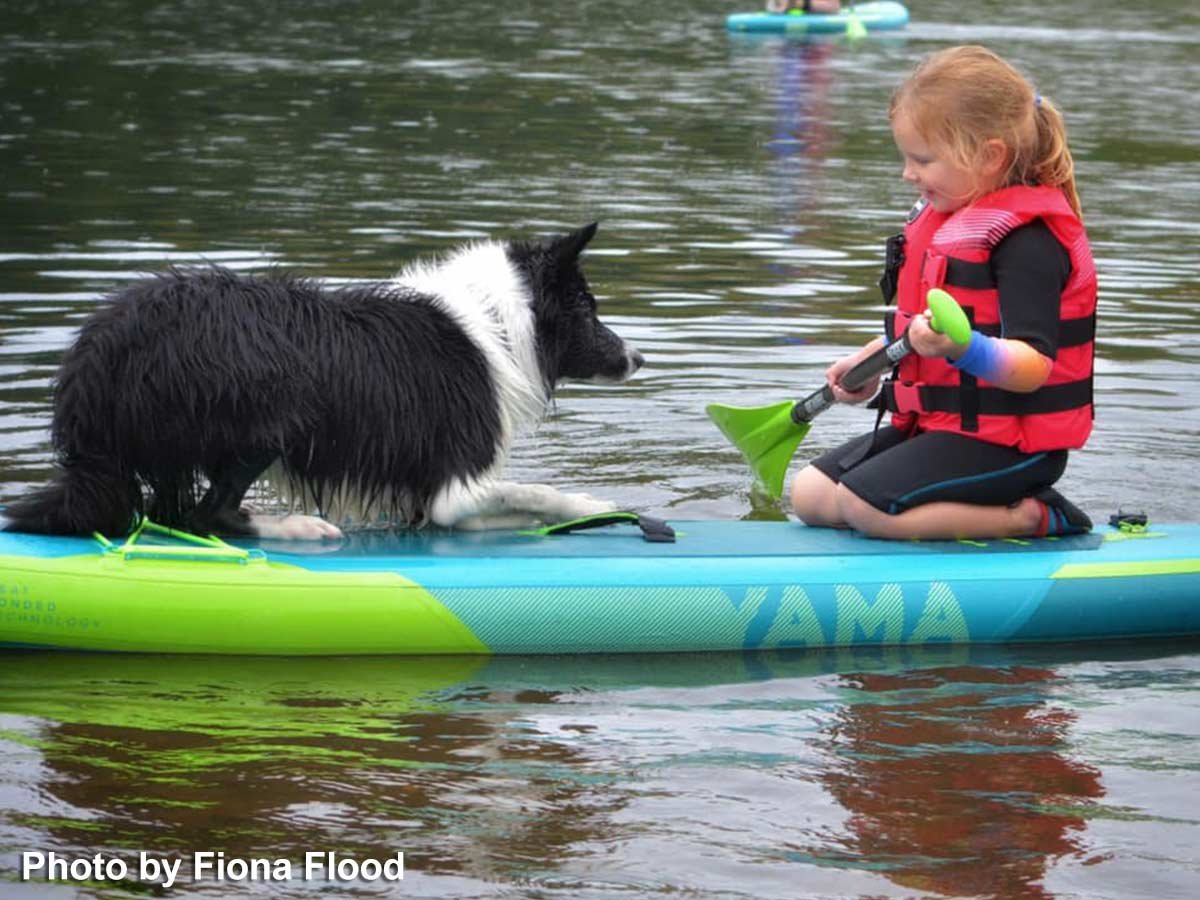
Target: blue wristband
x,y
982,358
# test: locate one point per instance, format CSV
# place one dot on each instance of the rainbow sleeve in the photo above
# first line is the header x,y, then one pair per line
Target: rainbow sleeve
x,y
1005,362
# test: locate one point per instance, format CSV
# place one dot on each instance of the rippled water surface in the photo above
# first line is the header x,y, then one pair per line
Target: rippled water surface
x,y
744,187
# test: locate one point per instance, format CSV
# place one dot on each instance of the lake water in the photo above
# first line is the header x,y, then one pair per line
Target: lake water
x,y
744,187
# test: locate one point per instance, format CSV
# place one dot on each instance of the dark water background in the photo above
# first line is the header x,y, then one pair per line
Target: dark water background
x,y
744,187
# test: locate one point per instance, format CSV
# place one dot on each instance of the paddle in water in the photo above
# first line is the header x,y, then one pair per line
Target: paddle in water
x,y
768,435
855,29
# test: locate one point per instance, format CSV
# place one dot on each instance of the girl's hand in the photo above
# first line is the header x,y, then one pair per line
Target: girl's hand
x,y
927,342
833,375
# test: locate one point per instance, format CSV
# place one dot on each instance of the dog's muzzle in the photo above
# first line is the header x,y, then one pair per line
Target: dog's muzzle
x,y
632,361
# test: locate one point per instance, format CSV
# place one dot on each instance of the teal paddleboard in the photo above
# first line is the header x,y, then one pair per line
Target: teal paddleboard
x,y
721,585
882,15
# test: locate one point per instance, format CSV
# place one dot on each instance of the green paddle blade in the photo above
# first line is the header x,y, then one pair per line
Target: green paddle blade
x,y
766,436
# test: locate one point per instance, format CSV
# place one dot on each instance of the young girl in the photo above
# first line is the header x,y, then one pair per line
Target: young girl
x,y
977,435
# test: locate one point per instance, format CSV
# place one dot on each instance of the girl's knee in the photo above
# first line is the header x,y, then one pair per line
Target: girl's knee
x,y
812,495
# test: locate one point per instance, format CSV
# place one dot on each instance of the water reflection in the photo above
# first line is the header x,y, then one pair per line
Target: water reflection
x,y
943,771
959,781
274,758
803,126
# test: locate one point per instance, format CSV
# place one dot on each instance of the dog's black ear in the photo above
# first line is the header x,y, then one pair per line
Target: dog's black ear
x,y
570,246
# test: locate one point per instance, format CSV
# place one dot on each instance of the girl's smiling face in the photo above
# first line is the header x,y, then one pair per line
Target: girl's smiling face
x,y
944,183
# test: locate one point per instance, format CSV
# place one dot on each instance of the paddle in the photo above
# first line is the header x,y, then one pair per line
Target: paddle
x,y
769,435
855,29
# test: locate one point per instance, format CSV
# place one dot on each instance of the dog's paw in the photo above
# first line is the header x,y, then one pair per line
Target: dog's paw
x,y
576,506
294,528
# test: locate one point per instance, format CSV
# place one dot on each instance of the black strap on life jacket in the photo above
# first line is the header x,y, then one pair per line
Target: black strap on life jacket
x,y
968,389
976,276
995,401
1071,332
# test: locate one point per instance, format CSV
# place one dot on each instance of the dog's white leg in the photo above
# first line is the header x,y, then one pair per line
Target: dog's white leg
x,y
549,503
294,528
505,504
475,506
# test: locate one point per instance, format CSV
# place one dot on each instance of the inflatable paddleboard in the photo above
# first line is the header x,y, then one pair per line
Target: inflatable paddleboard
x,y
881,15
719,585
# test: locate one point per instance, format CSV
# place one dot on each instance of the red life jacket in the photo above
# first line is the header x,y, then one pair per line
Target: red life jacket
x,y
952,251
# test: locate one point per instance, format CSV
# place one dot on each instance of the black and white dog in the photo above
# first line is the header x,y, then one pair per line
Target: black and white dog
x,y
397,400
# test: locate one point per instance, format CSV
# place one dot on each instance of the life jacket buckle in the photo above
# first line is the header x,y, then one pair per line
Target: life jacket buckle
x,y
933,269
893,259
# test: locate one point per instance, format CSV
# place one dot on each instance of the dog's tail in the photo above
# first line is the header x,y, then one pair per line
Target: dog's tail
x,y
94,487
80,499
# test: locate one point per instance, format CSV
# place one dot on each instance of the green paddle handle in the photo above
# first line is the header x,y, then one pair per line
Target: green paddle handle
x,y
948,319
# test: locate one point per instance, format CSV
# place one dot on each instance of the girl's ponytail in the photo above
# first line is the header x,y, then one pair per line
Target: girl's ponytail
x,y
1051,162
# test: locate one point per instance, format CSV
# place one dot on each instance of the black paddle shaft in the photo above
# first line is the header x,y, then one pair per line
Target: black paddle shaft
x,y
875,364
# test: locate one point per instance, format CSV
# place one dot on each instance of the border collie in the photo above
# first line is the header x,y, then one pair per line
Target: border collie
x,y
398,400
